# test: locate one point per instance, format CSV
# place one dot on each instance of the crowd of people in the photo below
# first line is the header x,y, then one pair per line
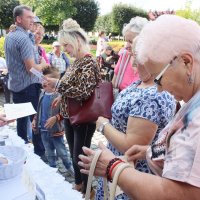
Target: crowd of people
x,y
156,68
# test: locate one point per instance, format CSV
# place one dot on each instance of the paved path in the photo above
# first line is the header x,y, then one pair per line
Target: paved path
x,y
95,140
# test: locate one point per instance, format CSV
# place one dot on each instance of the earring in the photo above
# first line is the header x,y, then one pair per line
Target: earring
x,y
190,80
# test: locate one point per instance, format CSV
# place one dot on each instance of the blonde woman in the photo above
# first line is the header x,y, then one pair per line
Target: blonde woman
x,y
78,83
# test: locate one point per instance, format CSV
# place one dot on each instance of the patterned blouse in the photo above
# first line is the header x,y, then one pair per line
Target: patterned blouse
x,y
143,103
176,154
79,82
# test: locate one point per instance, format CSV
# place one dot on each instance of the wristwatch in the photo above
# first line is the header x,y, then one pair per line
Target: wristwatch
x,y
101,127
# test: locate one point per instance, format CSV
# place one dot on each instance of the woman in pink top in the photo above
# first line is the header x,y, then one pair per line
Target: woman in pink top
x,y
38,39
130,75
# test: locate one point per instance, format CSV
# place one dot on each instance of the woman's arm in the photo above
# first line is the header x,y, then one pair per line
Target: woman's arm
x,y
114,80
138,185
139,131
142,186
4,121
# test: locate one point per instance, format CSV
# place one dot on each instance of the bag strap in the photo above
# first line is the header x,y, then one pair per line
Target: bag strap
x,y
115,178
50,57
124,68
91,173
120,69
94,68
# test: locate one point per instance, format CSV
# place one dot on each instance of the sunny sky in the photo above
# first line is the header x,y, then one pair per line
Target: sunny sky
x,y
106,5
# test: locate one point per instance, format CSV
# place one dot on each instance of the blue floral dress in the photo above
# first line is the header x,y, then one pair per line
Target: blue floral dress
x,y
148,103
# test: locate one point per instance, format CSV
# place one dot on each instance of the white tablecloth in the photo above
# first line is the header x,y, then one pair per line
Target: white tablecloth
x,y
48,181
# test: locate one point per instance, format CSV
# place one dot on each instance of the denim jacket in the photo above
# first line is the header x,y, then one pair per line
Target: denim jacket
x,y
58,127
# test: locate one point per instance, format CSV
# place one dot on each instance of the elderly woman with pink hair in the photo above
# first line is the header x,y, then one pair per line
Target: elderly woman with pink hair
x,y
171,53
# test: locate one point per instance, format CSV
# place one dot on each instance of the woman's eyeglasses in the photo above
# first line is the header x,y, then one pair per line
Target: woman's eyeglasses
x,y
158,78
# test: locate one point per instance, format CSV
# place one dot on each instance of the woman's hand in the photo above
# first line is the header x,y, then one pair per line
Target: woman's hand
x,y
51,82
4,71
33,124
100,121
102,163
136,152
56,102
50,122
4,121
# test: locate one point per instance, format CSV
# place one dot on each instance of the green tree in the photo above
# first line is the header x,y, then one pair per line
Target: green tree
x,y
86,13
51,12
189,13
122,13
104,23
6,12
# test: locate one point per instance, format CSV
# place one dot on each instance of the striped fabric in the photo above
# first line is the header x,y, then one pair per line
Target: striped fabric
x,y
19,47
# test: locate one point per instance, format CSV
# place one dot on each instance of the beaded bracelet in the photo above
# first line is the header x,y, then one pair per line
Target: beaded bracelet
x,y
112,168
109,167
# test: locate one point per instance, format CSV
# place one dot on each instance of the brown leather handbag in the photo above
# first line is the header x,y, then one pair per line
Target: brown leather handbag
x,y
98,104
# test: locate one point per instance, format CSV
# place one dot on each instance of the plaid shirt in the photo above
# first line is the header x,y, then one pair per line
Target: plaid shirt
x,y
18,48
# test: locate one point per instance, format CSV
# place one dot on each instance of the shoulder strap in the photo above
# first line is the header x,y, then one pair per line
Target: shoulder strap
x,y
113,184
40,50
120,69
123,71
50,57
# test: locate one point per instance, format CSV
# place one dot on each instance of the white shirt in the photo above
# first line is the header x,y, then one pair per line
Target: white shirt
x,y
59,63
3,63
101,45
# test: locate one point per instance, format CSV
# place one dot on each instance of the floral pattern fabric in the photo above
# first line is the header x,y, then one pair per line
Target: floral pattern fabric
x,y
143,103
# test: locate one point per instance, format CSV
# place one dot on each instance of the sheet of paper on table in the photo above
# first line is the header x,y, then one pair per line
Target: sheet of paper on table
x,y
15,111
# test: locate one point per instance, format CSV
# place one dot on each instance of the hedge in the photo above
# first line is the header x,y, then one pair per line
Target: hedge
x,y
116,45
2,47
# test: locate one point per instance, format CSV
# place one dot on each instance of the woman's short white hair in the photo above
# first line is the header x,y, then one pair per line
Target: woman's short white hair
x,y
166,37
135,25
74,35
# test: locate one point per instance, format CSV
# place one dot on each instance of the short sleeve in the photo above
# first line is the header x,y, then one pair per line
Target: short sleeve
x,y
154,106
26,49
182,160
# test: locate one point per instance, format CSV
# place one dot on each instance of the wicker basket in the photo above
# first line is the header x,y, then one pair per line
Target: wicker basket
x,y
18,156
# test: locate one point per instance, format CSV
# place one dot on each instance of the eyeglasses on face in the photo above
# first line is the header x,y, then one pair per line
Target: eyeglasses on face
x,y
158,78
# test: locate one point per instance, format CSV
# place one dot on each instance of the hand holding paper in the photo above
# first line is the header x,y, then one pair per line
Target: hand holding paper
x,y
4,121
